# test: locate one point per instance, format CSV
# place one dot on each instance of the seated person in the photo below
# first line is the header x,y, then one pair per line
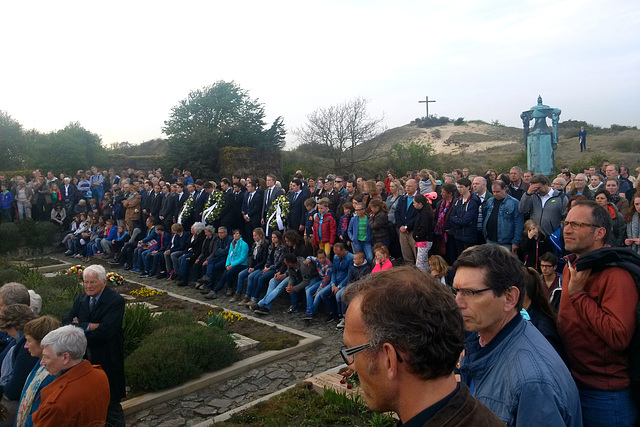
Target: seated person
x,y
314,293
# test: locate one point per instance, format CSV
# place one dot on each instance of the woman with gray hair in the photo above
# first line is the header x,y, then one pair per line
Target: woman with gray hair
x,y
190,254
17,363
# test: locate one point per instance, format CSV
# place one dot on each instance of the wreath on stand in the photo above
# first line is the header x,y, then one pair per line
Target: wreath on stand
x,y
187,209
278,213
213,207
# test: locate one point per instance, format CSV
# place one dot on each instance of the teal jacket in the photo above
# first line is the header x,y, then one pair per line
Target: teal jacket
x,y
238,253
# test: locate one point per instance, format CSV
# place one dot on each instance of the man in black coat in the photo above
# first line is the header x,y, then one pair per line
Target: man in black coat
x,y
155,202
270,194
99,312
169,207
297,215
251,211
201,199
227,215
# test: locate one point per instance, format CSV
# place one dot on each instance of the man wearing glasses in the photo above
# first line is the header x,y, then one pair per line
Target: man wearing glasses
x,y
509,366
404,336
596,321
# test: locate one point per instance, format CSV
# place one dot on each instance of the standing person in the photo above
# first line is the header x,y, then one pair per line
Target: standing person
x,y
270,194
479,186
544,205
464,217
42,196
509,365
503,222
23,197
251,208
324,227
131,203
597,319
96,181
297,210
517,187
403,335
551,279
405,217
618,227
582,139
633,224
423,231
99,312
579,186
6,200
533,244
360,232
379,222
443,243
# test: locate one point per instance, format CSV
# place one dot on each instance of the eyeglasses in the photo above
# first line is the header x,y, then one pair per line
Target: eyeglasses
x,y
575,225
338,181
546,266
348,354
468,293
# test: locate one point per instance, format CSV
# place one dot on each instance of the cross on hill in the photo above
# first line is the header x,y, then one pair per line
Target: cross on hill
x,y
426,102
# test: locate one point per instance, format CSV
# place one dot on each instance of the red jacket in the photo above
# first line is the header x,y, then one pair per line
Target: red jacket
x,y
596,327
79,397
328,229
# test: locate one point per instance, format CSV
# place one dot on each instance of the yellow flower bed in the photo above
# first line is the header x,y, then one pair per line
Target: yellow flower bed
x,y
145,292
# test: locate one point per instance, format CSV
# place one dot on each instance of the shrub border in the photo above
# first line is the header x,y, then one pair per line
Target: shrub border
x,y
140,403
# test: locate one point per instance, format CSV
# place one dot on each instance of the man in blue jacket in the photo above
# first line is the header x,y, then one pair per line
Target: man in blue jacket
x,y
405,217
502,221
342,261
508,364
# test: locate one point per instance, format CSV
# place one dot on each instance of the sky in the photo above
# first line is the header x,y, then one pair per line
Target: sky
x,y
119,67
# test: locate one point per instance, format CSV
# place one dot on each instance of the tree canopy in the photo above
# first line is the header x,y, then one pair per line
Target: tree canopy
x,y
216,116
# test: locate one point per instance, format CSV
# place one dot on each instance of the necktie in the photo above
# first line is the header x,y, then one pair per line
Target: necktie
x,y
92,305
295,196
249,201
268,197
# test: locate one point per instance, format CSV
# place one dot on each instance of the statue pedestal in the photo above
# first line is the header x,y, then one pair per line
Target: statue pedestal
x,y
540,153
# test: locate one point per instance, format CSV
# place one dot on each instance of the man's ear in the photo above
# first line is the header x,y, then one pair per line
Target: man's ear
x,y
512,295
390,361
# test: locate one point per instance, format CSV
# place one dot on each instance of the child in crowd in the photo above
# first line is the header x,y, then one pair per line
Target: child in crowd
x,y
310,206
6,199
441,270
93,207
58,215
382,258
343,224
423,231
324,227
360,267
313,292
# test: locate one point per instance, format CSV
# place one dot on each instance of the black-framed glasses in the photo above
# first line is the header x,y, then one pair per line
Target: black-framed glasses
x,y
468,293
575,225
348,354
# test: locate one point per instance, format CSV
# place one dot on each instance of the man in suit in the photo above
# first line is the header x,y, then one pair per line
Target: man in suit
x,y
239,191
251,211
271,193
297,212
98,312
155,203
145,200
226,216
201,199
68,191
168,207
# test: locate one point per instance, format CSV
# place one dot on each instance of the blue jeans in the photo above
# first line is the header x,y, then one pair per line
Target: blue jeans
x,y
607,408
255,286
365,247
228,276
276,287
328,298
245,275
214,265
341,307
309,291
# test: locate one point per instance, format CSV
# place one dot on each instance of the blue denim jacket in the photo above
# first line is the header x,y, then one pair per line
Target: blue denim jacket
x,y
510,220
521,378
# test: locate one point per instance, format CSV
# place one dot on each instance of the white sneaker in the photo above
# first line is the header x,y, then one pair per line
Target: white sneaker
x,y
340,324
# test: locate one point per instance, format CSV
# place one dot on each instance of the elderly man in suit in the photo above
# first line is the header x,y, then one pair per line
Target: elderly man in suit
x,y
98,312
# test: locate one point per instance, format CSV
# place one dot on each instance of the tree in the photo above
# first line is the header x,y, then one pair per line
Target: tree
x,y
412,156
11,143
338,131
220,115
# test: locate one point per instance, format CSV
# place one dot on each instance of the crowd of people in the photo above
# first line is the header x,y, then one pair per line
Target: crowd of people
x,y
555,327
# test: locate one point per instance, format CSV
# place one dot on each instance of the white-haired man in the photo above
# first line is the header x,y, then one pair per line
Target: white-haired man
x,y
98,312
80,395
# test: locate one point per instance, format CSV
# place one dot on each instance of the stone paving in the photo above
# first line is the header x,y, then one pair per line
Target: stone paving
x,y
202,405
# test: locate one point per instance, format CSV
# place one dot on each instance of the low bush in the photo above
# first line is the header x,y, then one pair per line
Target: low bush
x,y
136,324
627,145
171,318
32,234
175,354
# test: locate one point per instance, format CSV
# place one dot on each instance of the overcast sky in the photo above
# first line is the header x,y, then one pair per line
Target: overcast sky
x,y
118,67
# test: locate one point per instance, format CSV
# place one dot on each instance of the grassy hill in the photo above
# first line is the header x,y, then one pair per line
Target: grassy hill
x,y
479,146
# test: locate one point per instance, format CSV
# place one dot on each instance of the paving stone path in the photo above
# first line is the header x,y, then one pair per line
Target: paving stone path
x,y
202,405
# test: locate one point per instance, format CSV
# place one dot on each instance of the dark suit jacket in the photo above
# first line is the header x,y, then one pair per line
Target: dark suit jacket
x,y
105,344
269,198
180,201
169,205
226,216
155,203
253,209
297,215
201,200
70,194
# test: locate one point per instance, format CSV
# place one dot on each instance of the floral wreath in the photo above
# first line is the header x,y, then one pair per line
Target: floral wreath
x,y
114,279
187,209
276,221
215,199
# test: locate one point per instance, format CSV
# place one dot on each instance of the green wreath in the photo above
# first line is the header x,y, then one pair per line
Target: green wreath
x,y
187,209
214,198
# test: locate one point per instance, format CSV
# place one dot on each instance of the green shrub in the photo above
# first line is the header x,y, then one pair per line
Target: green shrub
x,y
9,237
175,354
136,324
459,121
33,234
627,145
171,318
9,275
57,292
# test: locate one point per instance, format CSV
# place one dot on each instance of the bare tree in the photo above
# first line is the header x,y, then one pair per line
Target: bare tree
x,y
338,131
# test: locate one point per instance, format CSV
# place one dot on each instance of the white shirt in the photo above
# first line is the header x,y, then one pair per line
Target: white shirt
x,y
546,196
